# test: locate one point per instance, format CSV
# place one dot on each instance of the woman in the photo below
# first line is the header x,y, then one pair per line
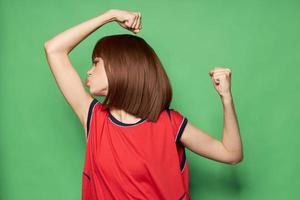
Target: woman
x,y
135,143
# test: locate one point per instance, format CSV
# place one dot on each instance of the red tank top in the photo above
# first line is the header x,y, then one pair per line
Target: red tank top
x,y
144,160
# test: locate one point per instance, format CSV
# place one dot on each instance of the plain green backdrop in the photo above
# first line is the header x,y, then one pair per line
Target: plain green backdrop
x,y
42,143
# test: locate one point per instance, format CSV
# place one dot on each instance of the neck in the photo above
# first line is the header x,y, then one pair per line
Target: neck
x,y
123,116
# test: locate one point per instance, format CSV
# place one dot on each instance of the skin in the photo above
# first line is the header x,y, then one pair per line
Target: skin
x,y
228,150
97,79
98,84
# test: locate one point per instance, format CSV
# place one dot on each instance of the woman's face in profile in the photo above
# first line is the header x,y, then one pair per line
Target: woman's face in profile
x,y
97,79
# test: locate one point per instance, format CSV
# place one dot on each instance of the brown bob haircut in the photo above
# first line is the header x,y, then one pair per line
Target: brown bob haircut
x,y
137,81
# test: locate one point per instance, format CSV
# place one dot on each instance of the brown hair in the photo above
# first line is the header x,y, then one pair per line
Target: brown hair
x,y
137,81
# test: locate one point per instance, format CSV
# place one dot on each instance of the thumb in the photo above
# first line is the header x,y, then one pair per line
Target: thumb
x,y
127,23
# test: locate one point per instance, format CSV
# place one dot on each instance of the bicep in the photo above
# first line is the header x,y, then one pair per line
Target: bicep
x,y
205,145
70,84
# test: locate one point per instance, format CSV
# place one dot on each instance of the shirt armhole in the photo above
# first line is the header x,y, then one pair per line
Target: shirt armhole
x,y
89,115
178,122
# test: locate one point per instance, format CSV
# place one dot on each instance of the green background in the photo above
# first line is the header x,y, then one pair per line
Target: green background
x,y
42,142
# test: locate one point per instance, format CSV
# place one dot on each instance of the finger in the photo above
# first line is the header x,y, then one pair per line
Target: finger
x,y
218,69
134,21
140,26
229,70
224,69
216,81
226,72
212,71
219,78
138,21
220,73
130,22
137,25
216,78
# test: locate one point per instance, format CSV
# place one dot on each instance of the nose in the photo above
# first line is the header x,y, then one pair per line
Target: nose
x,y
88,72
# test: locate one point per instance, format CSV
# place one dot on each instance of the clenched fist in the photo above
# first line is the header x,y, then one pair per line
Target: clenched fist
x,y
221,78
128,19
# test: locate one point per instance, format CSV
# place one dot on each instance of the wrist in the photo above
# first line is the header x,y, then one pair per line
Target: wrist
x,y
110,15
226,98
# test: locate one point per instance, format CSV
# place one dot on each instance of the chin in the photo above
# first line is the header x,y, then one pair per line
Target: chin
x,y
104,94
99,93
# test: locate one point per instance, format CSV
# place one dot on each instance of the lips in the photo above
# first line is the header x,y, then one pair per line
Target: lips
x,y
87,82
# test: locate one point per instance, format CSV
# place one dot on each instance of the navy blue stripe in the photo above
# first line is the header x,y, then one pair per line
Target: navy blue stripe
x,y
169,112
183,125
115,120
92,104
183,160
181,128
87,175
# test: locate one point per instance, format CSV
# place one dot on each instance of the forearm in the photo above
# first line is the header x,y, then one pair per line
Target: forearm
x,y
68,39
231,135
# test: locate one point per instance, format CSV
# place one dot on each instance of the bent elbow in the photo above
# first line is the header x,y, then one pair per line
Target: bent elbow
x,y
237,160
47,47
46,44
50,47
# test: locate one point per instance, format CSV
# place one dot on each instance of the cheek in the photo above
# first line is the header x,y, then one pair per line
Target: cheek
x,y
101,77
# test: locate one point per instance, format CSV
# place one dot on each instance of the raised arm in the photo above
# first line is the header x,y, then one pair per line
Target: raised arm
x,y
229,150
58,48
